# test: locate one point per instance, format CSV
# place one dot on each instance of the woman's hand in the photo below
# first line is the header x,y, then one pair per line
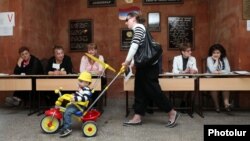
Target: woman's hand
x,y
216,58
192,71
19,62
126,64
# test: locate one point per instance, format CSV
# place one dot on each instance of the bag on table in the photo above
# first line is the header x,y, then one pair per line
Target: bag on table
x,y
148,53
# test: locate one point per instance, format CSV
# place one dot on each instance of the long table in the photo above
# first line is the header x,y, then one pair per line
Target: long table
x,y
197,83
230,82
34,83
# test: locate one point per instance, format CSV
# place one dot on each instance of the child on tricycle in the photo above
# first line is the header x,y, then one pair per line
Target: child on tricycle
x,y
72,104
81,97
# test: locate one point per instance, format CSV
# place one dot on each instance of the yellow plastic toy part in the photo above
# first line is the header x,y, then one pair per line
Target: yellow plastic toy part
x,y
68,97
56,91
104,65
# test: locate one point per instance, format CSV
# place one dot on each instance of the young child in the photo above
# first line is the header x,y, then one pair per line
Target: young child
x,y
82,95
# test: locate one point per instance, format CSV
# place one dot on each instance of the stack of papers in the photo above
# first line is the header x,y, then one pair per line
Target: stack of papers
x,y
3,74
128,73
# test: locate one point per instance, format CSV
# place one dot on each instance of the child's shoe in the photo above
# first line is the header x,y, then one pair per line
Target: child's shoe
x,y
65,132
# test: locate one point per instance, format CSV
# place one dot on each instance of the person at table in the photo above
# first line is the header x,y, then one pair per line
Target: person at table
x,y
94,68
217,63
184,63
27,64
146,78
59,64
90,65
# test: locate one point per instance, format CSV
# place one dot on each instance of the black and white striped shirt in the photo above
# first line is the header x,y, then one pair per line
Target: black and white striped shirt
x,y
139,34
137,40
83,94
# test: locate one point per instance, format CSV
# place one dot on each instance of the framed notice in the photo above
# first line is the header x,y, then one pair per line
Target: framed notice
x,y
80,34
162,1
126,38
246,9
154,21
180,30
101,3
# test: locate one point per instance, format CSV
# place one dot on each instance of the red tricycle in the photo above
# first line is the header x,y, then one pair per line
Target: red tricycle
x,y
54,117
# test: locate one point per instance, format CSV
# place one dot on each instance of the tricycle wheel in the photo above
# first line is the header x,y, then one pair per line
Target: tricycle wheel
x,y
48,125
89,128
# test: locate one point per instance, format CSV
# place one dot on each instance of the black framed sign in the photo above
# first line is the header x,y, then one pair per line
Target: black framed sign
x,y
180,30
246,10
101,3
154,21
126,38
80,34
162,1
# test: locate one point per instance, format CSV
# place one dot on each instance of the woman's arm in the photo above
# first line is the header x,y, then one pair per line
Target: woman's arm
x,y
83,64
212,65
227,66
175,66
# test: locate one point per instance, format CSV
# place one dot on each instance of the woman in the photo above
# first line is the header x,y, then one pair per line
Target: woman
x,y
184,64
27,64
90,65
59,64
94,68
217,63
146,78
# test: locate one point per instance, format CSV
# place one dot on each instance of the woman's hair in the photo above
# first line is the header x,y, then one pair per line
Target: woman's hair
x,y
22,49
92,46
184,46
217,47
137,16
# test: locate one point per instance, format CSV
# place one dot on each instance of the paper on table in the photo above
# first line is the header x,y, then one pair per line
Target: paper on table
x,y
128,73
241,72
3,74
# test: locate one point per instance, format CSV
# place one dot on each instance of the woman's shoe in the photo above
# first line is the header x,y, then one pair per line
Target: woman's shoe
x,y
217,110
172,124
228,108
126,123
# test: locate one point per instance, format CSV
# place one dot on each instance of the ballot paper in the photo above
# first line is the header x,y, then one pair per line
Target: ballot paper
x,y
128,73
241,72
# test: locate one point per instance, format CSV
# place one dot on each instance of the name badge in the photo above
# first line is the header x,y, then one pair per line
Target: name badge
x,y
56,66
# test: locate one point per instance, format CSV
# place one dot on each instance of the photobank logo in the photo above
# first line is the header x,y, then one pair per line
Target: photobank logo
x,y
213,132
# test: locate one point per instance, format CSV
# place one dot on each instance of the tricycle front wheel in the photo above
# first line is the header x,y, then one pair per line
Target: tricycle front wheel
x,y
50,125
89,128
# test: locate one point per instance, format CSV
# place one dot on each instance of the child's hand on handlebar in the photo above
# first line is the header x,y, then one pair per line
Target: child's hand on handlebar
x,y
72,99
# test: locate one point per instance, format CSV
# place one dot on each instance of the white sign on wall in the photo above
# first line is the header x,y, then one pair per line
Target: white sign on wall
x,y
7,19
7,22
248,25
6,30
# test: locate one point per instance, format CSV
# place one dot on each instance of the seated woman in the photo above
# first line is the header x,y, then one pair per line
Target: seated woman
x,y
27,64
90,65
93,67
217,63
184,64
59,64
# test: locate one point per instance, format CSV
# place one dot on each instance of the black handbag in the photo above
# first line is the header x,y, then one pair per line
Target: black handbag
x,y
147,53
